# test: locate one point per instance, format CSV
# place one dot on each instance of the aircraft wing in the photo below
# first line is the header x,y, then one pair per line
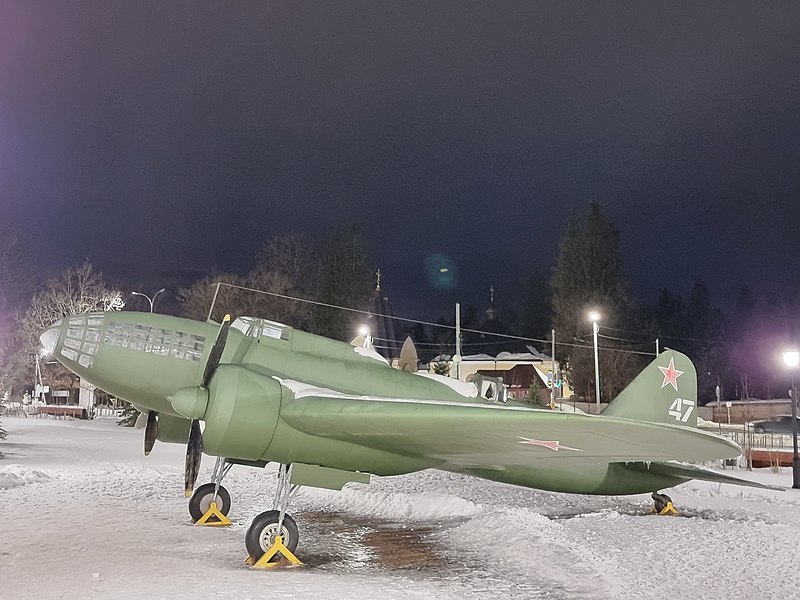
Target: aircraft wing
x,y
489,435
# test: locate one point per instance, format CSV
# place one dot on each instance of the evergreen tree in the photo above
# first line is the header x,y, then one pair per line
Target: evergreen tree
x,y
442,368
537,310
700,316
669,315
743,312
588,274
128,416
534,396
345,279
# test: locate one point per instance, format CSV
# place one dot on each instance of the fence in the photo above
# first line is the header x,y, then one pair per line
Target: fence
x,y
59,411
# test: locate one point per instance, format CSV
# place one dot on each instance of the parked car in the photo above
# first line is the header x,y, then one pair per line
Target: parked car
x,y
782,424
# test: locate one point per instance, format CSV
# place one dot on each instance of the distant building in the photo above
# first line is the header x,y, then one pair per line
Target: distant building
x,y
71,401
519,371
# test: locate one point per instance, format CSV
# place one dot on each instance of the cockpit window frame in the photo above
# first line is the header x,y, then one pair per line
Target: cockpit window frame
x,y
259,329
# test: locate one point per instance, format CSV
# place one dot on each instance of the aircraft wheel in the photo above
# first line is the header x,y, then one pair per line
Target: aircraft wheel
x,y
201,500
263,530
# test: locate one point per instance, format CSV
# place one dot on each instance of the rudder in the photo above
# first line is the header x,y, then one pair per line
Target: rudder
x,y
664,392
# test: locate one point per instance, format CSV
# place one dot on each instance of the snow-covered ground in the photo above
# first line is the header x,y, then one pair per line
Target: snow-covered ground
x,y
85,515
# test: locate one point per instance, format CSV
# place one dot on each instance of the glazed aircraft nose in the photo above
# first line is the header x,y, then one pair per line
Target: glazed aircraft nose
x,y
49,338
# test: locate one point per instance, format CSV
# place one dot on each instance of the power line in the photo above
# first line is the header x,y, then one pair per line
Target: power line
x,y
428,323
616,339
671,337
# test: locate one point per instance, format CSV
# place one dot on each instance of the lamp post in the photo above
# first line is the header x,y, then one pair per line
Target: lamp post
x,y
594,317
366,341
791,358
149,299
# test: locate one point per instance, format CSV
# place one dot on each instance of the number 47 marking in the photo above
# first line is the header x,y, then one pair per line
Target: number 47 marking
x,y
681,409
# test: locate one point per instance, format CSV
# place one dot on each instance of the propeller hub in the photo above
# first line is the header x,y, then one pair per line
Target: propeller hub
x,y
190,402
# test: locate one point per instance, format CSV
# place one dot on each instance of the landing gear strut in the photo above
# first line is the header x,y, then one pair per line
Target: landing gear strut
x,y
263,532
207,493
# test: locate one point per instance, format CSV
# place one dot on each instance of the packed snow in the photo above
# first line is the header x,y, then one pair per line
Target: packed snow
x,y
85,515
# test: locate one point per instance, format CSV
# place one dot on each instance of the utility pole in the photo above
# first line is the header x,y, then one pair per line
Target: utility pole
x,y
553,368
594,316
791,359
457,357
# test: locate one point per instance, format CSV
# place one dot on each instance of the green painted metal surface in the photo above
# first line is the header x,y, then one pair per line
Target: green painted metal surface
x,y
324,477
292,397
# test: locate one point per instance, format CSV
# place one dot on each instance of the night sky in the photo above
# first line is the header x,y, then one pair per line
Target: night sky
x,y
179,135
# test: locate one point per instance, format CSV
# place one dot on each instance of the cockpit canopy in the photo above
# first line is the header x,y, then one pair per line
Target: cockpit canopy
x,y
262,328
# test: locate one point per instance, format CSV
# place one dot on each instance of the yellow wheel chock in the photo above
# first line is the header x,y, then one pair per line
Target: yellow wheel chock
x,y
667,510
277,548
213,518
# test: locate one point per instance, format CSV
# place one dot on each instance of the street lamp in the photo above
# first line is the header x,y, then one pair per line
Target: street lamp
x,y
149,299
791,358
594,317
366,341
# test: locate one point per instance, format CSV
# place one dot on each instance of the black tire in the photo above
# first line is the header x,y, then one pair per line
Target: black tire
x,y
758,429
200,501
262,532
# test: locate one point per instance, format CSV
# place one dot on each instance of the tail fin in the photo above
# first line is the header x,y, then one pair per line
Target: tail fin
x,y
664,392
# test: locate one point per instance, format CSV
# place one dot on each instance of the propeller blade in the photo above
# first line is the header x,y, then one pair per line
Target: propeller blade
x,y
141,421
151,432
216,352
194,452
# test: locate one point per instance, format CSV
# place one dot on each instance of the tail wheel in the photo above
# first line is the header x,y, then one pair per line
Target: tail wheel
x,y
202,498
263,530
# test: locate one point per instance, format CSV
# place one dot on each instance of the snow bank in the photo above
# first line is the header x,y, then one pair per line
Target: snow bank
x,y
536,546
12,476
388,505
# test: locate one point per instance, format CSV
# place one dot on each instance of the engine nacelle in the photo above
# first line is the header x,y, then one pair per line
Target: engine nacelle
x,y
173,430
242,413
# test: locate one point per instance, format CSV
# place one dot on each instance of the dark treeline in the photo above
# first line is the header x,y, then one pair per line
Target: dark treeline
x,y
739,351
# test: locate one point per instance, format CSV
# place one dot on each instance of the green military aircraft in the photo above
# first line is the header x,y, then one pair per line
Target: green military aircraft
x,y
254,391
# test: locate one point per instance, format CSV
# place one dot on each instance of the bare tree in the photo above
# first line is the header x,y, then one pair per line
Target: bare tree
x,y
77,290
16,289
197,298
285,270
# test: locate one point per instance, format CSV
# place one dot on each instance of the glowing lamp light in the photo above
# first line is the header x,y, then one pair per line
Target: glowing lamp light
x,y
363,330
594,316
791,358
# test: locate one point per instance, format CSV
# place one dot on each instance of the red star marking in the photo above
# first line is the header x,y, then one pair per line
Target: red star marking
x,y
551,444
671,375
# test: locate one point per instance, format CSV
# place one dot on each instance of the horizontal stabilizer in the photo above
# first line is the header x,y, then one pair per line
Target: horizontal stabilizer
x,y
689,472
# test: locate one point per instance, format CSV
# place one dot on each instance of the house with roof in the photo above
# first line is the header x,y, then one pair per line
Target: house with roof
x,y
519,371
